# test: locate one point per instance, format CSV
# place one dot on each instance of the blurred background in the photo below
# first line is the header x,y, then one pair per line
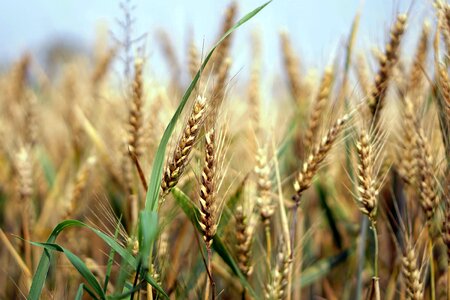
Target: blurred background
x,y
318,29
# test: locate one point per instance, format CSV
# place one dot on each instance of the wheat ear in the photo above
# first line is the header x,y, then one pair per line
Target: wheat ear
x,y
101,67
304,179
135,119
223,50
244,238
387,63
411,273
25,184
276,289
318,107
180,156
291,65
264,198
426,180
416,77
208,207
366,179
408,162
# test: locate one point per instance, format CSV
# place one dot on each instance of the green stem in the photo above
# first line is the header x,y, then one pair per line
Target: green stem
x,y
375,259
375,262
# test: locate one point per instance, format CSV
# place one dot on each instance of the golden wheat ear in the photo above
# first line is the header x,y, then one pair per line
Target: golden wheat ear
x,y
291,66
418,68
244,237
443,102
407,160
208,205
426,180
387,63
264,199
317,155
254,86
366,179
101,68
180,156
223,50
135,118
411,274
276,287
318,108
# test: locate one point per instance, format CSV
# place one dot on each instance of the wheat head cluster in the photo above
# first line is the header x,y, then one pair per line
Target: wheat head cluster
x,y
222,185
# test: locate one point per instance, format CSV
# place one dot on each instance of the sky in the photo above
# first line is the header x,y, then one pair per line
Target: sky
x,y
318,28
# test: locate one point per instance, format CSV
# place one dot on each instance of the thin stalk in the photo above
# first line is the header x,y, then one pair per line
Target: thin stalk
x,y
268,244
375,261
139,169
14,254
448,282
297,262
27,238
149,286
361,251
294,223
210,284
432,275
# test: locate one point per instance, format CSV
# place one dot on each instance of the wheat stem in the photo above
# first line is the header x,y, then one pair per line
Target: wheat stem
x,y
432,271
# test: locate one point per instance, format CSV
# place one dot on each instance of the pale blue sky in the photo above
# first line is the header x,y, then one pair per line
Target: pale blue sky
x,y
316,27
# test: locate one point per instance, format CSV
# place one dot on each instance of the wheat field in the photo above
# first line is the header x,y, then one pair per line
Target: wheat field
x,y
333,186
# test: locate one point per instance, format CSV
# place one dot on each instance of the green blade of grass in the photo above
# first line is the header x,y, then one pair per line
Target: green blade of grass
x,y
322,192
127,294
79,294
111,258
321,268
230,205
44,263
78,264
47,167
151,200
148,228
193,213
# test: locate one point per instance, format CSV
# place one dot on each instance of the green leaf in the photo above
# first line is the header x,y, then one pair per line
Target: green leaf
x,y
230,205
79,294
111,258
47,167
44,263
148,228
192,212
78,264
151,201
329,214
321,268
128,292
